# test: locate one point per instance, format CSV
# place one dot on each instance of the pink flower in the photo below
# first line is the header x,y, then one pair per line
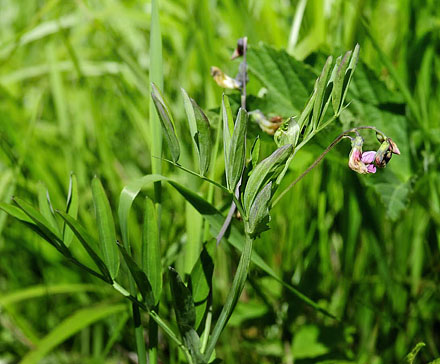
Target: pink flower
x,y
359,162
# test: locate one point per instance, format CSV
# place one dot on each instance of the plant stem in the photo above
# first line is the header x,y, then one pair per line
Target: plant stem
x,y
233,296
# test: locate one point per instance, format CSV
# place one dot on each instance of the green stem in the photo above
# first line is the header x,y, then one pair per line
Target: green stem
x,y
139,335
233,296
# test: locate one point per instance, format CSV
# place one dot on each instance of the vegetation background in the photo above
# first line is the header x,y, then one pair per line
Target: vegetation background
x,y
74,96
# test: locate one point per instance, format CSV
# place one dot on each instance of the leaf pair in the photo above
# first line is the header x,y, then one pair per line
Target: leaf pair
x,y
235,144
260,187
200,131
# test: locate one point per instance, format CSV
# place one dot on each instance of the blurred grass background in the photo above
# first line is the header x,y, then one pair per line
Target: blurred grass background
x,y
74,97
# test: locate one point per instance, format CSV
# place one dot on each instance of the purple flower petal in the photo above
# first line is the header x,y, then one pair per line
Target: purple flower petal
x,y
371,168
368,157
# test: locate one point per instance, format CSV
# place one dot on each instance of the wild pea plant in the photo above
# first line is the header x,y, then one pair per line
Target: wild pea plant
x,y
252,185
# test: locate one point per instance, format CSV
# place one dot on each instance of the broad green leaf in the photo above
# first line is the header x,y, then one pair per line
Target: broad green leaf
x,y
321,85
306,343
45,206
200,282
141,279
237,151
87,242
287,133
71,208
167,122
151,257
183,302
267,170
106,228
287,80
69,327
259,216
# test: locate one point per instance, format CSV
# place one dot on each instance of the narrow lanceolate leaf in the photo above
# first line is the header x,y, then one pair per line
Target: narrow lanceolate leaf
x,y
228,129
200,131
16,213
71,208
190,116
183,302
141,279
106,228
349,74
87,242
237,151
201,283
45,206
151,258
320,92
167,122
267,170
42,223
338,76
255,152
259,216
203,138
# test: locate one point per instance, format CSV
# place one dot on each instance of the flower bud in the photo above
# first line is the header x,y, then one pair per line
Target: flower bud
x,y
380,159
223,80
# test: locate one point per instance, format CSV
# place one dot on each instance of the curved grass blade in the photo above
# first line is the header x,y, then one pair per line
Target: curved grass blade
x,y
106,228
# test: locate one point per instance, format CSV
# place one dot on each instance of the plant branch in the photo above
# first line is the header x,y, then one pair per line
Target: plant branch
x,y
319,159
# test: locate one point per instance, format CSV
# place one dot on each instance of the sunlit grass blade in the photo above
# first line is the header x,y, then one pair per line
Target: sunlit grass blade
x,y
106,228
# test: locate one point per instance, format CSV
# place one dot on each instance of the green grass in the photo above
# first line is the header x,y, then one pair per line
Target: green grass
x,y
74,96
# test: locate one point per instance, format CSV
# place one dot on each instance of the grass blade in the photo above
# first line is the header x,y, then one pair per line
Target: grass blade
x,y
106,228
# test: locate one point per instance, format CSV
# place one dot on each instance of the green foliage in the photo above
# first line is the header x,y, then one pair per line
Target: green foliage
x,y
75,96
